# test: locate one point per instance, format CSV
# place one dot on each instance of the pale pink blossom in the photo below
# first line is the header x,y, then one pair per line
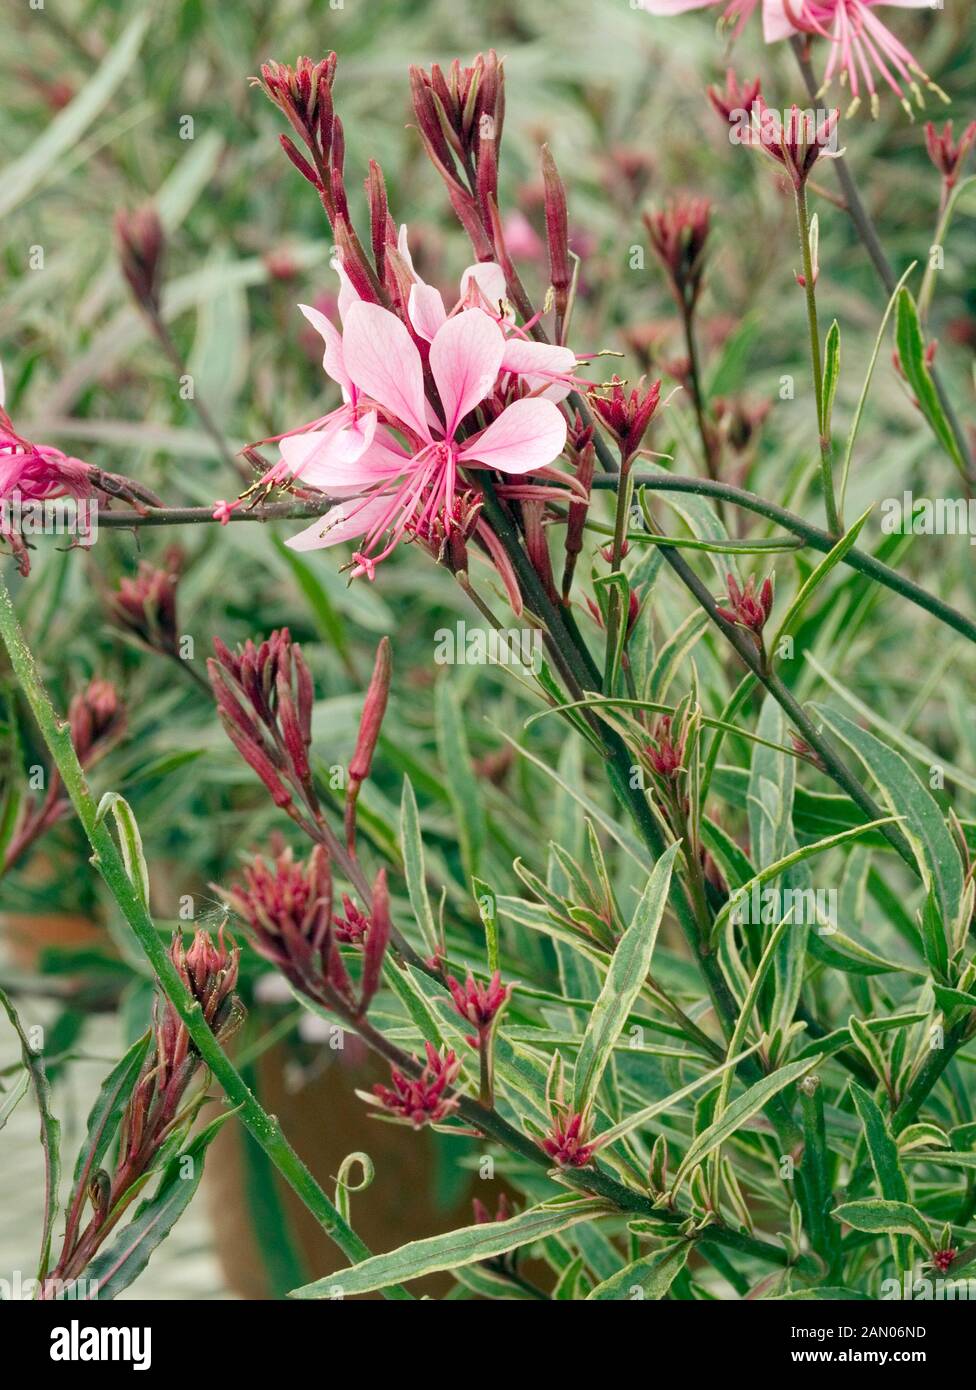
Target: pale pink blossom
x,y
862,49
395,488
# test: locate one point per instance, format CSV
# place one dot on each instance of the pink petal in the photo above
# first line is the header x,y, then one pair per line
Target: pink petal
x,y
349,477
403,246
336,457
347,522
527,435
490,279
539,363
347,294
426,310
332,359
383,362
465,357
776,25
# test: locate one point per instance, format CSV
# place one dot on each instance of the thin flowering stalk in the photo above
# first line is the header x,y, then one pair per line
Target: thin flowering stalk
x,y
814,536
140,245
264,1128
679,235
868,234
163,1103
948,156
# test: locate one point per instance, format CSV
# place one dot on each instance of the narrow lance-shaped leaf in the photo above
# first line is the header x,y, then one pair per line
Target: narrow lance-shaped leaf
x,y
880,1217
50,1133
647,1278
65,130
739,1112
484,1241
904,793
103,1120
130,841
411,842
831,375
911,354
883,1153
462,786
116,1268
628,970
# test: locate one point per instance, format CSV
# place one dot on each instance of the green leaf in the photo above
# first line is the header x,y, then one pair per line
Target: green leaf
x,y
827,1293
13,1098
831,374
327,618
883,1152
130,841
743,893
862,399
116,1268
652,1276
911,354
20,178
628,970
922,1136
50,1134
565,1290
950,999
904,794
934,940
412,845
817,577
739,1112
484,1241
488,912
462,786
103,1120
880,1217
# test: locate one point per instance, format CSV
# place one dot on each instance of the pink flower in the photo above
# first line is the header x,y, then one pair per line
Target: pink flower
x,y
946,154
667,757
862,48
399,489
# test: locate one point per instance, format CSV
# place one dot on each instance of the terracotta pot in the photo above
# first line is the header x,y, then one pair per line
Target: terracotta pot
x,y
26,935
325,1121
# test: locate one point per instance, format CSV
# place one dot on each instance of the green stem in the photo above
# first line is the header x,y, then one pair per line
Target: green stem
x,y
747,650
107,859
815,537
946,209
567,646
866,231
933,1067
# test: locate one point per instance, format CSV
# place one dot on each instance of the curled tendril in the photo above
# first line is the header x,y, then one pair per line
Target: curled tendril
x,y
344,1187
